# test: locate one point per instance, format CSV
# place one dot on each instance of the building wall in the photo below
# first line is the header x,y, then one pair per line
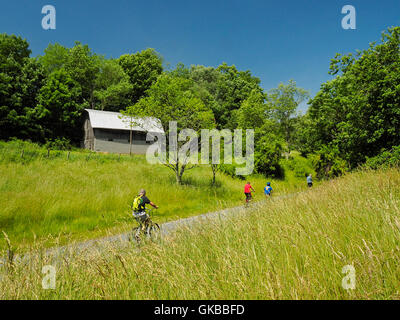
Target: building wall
x,y
88,140
117,141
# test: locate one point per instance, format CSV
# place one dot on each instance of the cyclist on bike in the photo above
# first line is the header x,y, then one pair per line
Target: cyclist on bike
x,y
268,190
247,191
139,206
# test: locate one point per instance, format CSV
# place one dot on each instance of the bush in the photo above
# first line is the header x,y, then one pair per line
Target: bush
x,y
385,159
328,163
58,144
300,166
267,156
230,170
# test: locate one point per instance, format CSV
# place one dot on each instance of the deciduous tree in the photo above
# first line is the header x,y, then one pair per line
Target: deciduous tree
x,y
143,68
171,99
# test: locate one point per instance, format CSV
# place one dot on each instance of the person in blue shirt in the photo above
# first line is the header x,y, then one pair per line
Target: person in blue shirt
x,y
268,190
309,181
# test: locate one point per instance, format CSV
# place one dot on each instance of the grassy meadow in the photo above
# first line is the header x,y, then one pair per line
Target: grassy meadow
x,y
294,248
77,196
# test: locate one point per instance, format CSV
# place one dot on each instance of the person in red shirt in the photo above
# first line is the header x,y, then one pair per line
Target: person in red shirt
x,y
247,191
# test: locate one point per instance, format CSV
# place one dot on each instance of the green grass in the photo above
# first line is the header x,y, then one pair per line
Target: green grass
x,y
294,248
87,196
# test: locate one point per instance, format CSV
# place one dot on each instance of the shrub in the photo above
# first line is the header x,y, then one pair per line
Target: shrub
x,y
58,144
230,170
300,166
328,163
385,159
267,155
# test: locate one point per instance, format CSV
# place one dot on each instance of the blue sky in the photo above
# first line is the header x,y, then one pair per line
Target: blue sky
x,y
276,40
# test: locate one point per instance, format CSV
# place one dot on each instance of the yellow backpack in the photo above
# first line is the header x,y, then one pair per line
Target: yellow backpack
x,y
136,203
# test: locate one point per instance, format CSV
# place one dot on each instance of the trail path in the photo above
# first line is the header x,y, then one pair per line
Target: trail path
x,y
86,247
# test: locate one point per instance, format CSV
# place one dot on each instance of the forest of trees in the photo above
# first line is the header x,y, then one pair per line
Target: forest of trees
x,y
356,115
353,118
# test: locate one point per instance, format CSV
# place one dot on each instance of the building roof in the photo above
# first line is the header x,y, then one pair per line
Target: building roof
x,y
117,121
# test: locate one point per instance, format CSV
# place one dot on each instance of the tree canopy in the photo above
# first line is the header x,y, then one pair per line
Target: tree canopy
x,y
357,113
142,68
170,99
353,118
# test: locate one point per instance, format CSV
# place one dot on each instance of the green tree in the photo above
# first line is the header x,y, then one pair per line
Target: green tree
x,y
358,111
20,80
328,162
284,102
83,66
253,112
256,114
233,88
268,151
143,69
59,110
303,135
104,83
112,87
227,87
172,99
54,58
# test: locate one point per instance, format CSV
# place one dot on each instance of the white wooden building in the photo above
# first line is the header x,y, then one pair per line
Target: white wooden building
x,y
106,131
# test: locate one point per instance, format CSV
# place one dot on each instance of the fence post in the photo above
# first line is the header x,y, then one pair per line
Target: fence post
x,y
48,153
68,155
22,153
119,157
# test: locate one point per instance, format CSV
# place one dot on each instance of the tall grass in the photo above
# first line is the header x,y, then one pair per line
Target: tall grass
x,y
86,195
292,248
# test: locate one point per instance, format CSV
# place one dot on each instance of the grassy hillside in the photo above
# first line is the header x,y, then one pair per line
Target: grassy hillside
x,y
87,195
294,249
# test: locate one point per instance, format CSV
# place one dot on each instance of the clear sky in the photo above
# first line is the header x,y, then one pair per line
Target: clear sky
x,y
276,40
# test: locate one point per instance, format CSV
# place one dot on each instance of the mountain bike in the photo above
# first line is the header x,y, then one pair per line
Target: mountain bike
x,y
247,201
145,226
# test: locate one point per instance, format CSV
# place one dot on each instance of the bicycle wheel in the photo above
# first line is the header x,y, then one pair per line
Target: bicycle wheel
x,y
154,231
134,234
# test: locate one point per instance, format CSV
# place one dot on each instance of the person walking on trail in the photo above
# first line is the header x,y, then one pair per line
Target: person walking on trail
x,y
139,206
309,180
268,190
247,191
